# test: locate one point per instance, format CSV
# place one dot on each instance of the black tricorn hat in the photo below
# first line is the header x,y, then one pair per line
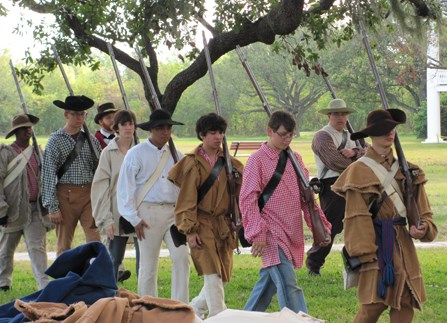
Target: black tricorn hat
x,y
103,110
21,121
75,103
157,118
380,122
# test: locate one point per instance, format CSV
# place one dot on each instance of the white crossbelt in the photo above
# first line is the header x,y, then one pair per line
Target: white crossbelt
x,y
393,191
17,165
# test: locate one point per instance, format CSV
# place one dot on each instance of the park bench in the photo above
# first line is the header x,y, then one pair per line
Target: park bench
x,y
244,145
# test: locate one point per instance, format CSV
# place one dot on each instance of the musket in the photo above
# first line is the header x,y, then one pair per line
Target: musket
x,y
319,232
359,143
25,110
409,196
95,153
120,83
231,174
155,100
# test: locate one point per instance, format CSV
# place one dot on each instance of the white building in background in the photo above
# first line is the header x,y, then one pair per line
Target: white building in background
x,y
436,83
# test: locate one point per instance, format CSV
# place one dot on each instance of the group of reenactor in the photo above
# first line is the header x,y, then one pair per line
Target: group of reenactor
x,y
143,192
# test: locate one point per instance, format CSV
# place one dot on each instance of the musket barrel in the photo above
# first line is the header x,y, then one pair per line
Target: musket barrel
x,y
358,143
25,110
121,86
234,204
155,100
70,91
319,233
410,203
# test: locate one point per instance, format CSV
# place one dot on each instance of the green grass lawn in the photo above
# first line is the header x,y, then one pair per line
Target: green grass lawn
x,y
431,157
325,296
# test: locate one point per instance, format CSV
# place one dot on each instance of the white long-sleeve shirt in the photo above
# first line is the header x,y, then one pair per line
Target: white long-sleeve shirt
x,y
138,166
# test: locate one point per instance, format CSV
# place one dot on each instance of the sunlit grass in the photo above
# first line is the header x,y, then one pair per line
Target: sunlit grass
x,y
324,295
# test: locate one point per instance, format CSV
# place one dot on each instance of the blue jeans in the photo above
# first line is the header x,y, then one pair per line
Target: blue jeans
x,y
280,279
117,248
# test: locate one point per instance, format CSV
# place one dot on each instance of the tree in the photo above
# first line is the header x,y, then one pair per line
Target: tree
x,y
284,86
82,25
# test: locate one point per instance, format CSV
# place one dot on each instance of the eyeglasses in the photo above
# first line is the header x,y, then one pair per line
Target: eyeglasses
x,y
77,114
286,135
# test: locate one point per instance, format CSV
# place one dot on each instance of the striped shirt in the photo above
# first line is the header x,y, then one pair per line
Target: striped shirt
x,y
280,224
80,172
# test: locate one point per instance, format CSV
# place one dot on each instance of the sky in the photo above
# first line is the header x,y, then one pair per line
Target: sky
x,y
16,44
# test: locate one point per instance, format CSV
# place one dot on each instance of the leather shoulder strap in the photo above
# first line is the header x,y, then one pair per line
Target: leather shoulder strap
x,y
274,180
205,187
72,155
155,175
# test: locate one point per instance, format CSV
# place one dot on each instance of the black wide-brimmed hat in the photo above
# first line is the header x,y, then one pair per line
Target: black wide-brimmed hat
x,y
159,117
75,103
103,110
21,121
380,122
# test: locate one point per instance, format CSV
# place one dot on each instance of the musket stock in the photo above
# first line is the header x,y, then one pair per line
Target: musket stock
x,y
155,100
234,203
88,136
121,86
409,197
359,143
318,229
25,110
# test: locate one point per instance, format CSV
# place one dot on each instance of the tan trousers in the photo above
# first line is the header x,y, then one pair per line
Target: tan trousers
x,y
370,313
75,205
35,239
160,217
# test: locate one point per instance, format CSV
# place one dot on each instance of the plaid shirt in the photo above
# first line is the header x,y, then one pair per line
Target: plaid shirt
x,y
280,223
80,172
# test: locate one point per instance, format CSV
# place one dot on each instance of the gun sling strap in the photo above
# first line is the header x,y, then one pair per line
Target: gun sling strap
x,y
178,237
386,178
267,192
72,156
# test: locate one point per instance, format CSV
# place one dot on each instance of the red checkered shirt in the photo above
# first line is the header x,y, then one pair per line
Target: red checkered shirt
x,y
280,223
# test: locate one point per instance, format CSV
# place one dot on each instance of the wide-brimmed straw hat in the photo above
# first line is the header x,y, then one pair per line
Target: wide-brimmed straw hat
x,y
159,117
75,103
21,121
336,105
380,122
103,110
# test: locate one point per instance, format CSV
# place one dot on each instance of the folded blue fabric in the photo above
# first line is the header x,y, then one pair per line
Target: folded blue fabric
x,y
83,274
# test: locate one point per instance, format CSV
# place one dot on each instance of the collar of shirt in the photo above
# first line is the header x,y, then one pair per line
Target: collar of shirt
x,y
270,152
153,147
385,160
210,159
105,133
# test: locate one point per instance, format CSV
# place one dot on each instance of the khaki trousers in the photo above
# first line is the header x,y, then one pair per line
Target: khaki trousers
x,y
75,205
160,217
370,313
35,239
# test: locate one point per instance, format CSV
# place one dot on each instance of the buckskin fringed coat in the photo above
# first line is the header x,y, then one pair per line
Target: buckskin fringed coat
x,y
359,185
210,217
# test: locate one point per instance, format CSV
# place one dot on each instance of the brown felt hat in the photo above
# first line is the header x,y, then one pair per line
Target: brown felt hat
x,y
380,122
21,121
157,118
103,110
75,103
